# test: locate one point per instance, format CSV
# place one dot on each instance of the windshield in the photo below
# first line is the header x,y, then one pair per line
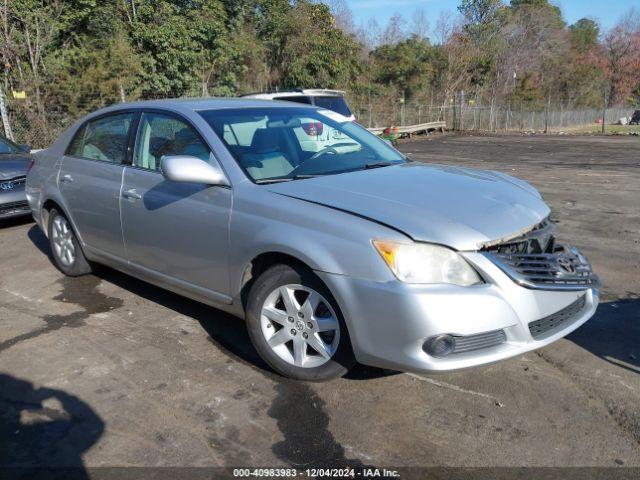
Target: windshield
x,y
337,104
7,147
282,144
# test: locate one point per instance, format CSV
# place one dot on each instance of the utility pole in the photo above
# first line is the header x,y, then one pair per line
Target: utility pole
x,y
604,109
546,114
5,118
461,115
370,113
455,125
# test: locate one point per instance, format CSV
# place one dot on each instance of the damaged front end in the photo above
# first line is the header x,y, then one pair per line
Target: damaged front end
x,y
534,259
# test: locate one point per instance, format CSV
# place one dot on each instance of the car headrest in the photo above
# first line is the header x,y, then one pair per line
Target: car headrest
x,y
265,140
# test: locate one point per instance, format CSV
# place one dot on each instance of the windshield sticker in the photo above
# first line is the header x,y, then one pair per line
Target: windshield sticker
x,y
336,117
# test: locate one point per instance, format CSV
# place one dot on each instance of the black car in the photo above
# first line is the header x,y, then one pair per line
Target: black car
x,y
14,163
635,118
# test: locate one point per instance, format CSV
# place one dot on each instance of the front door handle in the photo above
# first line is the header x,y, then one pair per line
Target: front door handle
x,y
66,178
131,194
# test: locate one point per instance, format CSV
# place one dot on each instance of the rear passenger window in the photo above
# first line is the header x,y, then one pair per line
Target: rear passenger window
x,y
104,139
160,135
335,103
295,99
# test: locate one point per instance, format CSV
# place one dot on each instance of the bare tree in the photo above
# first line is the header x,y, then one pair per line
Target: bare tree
x,y
533,42
460,57
443,28
622,53
37,28
419,23
343,15
369,34
395,31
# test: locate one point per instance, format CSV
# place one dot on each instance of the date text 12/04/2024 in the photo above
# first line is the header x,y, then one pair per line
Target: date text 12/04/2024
x,y
317,472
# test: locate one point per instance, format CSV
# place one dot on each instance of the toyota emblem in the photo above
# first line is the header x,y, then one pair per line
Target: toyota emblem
x,y
566,265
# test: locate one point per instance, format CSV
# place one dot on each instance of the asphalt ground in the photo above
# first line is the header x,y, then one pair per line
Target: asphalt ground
x,y
106,370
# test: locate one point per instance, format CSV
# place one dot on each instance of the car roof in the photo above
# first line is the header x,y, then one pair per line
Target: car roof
x,y
197,104
310,92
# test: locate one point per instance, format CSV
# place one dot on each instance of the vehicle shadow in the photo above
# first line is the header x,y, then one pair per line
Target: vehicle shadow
x,y
43,429
15,222
225,331
613,333
39,240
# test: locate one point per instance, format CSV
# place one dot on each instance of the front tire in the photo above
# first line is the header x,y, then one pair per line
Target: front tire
x,y
296,326
66,250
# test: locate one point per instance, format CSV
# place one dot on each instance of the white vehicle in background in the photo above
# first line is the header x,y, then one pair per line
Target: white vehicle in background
x,y
330,99
315,136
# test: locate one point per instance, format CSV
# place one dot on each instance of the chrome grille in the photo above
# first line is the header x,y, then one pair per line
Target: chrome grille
x,y
469,343
565,269
554,322
14,207
534,260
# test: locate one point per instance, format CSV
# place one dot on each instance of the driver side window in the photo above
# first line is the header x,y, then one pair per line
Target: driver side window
x,y
160,135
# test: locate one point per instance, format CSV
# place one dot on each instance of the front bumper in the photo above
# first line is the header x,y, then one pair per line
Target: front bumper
x,y
389,322
13,203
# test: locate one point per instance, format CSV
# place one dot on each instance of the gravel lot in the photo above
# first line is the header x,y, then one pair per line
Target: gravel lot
x,y
107,370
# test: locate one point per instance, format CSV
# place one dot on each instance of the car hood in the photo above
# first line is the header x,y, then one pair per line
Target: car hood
x,y
458,207
12,166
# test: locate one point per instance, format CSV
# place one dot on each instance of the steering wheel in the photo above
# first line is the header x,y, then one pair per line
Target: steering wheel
x,y
328,149
304,166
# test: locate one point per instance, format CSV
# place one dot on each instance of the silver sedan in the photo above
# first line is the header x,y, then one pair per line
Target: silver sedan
x,y
334,251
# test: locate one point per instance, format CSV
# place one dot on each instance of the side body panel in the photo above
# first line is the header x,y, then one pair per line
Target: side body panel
x,y
178,230
324,239
91,190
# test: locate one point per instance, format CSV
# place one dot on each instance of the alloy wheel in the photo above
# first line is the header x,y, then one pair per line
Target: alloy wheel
x,y
300,326
62,237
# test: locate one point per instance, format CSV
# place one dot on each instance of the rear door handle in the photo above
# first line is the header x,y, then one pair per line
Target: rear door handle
x,y
66,178
131,194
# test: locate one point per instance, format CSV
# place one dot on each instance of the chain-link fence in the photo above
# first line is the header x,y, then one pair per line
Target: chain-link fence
x,y
483,118
507,119
39,129
35,129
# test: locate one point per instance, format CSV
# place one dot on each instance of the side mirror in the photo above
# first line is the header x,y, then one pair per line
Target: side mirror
x,y
187,169
25,147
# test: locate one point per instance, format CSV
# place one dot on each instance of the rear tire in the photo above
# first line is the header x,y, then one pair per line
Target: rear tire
x,y
65,248
302,336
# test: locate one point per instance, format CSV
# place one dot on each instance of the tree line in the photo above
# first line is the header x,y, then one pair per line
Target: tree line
x,y
66,57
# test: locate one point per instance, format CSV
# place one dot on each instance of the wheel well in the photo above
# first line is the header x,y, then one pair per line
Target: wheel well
x,y
266,260
46,208
260,264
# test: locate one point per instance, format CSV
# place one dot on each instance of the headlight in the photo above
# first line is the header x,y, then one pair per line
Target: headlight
x,y
426,263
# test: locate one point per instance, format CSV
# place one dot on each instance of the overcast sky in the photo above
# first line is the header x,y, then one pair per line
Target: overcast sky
x,y
605,11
